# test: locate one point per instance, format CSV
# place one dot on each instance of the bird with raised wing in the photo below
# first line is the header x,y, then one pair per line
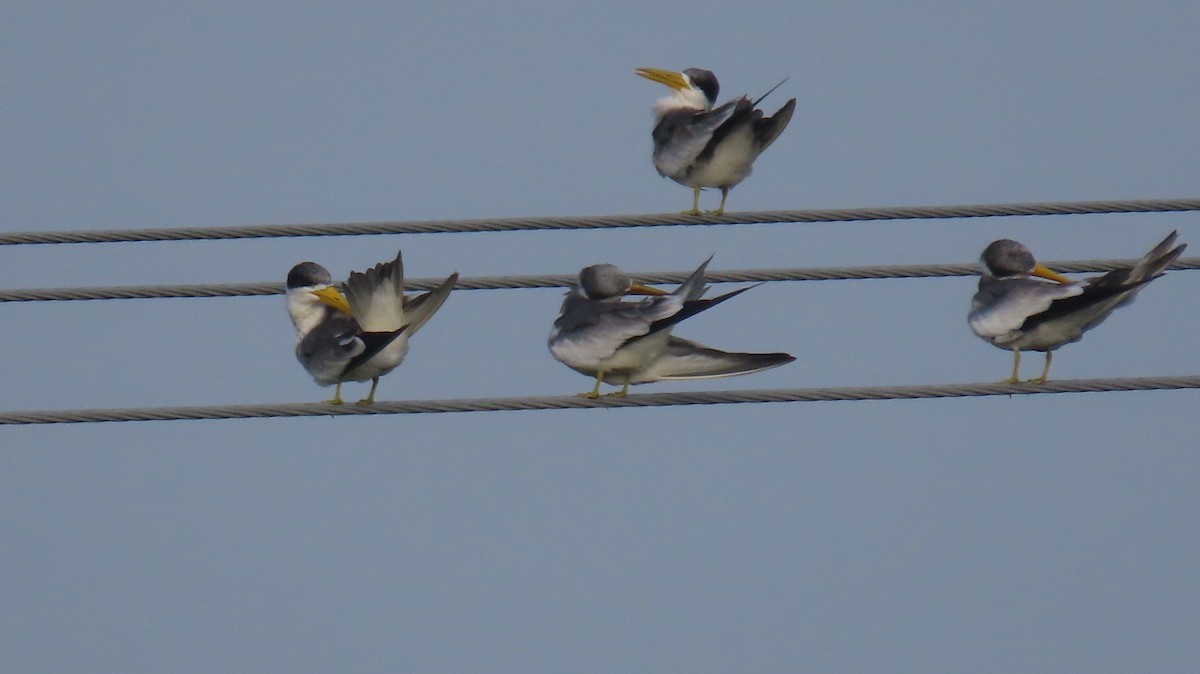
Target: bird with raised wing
x,y
360,331
1014,311
600,334
700,146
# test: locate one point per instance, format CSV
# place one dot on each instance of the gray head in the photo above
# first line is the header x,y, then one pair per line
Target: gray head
x,y
308,275
1006,257
602,281
705,81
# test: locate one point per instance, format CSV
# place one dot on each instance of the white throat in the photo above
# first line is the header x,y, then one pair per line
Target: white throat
x,y
305,310
680,99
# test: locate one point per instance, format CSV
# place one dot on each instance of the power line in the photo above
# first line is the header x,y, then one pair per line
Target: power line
x,y
564,280
576,402
601,222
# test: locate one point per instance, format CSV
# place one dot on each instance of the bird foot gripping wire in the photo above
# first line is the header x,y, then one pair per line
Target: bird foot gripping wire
x,y
595,392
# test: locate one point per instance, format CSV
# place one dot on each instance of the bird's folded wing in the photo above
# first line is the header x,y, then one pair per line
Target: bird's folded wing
x,y
685,359
1007,304
682,135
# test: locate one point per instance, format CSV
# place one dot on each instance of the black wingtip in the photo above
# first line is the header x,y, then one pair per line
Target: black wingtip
x,y
771,90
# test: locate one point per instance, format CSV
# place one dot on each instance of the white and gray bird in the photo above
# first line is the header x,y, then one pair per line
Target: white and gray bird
x,y
1014,311
602,335
361,331
700,146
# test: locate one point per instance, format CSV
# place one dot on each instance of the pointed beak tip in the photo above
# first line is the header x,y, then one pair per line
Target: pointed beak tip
x,y
1048,273
671,78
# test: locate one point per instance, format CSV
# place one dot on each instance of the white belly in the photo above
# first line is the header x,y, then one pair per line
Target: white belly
x,y
730,163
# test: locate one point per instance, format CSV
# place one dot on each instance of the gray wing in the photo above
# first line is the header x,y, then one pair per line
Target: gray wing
x,y
684,359
1001,306
1102,295
596,329
327,349
682,135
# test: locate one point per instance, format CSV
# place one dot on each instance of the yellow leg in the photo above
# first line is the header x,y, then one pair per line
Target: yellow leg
x,y
337,395
624,390
721,209
1045,370
370,396
595,392
695,202
1016,368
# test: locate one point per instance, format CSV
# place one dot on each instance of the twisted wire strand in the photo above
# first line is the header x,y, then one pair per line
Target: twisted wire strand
x,y
601,221
564,280
856,393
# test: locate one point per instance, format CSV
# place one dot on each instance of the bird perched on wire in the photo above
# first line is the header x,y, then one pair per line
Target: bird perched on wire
x,y
600,334
1014,311
700,146
361,331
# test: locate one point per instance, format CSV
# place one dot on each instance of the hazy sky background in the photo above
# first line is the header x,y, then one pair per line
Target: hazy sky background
x,y
1032,534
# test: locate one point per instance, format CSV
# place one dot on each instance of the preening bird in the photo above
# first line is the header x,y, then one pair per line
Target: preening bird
x,y
361,331
700,146
600,334
1015,311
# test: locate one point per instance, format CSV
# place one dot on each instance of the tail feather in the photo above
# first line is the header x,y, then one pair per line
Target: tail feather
x,y
1152,265
767,129
693,287
421,308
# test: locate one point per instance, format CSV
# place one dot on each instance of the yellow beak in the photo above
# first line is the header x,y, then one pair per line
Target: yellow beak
x,y
639,289
675,80
334,298
1047,273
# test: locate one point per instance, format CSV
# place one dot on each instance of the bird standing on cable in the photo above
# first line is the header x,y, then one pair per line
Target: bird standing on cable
x,y
1014,311
601,335
700,146
360,332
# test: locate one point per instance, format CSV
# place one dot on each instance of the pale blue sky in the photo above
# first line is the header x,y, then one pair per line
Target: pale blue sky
x,y
1038,534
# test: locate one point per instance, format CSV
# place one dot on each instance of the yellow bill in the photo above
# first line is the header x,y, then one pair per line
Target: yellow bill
x,y
639,289
1048,273
334,298
671,78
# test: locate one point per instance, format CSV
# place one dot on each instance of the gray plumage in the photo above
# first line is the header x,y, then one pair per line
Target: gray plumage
x,y
600,334
371,338
698,145
1013,311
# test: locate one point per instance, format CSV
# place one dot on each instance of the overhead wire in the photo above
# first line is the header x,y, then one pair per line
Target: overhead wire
x,y
561,280
600,222
853,393
564,280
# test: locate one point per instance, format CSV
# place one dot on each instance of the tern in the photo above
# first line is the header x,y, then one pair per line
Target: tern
x,y
698,145
361,331
602,335
1014,311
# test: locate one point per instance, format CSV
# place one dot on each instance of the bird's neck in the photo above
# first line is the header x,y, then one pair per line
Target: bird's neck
x,y
682,99
306,312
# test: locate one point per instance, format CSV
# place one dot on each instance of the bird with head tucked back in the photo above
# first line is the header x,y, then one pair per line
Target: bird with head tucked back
x,y
361,331
1014,311
600,334
700,146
